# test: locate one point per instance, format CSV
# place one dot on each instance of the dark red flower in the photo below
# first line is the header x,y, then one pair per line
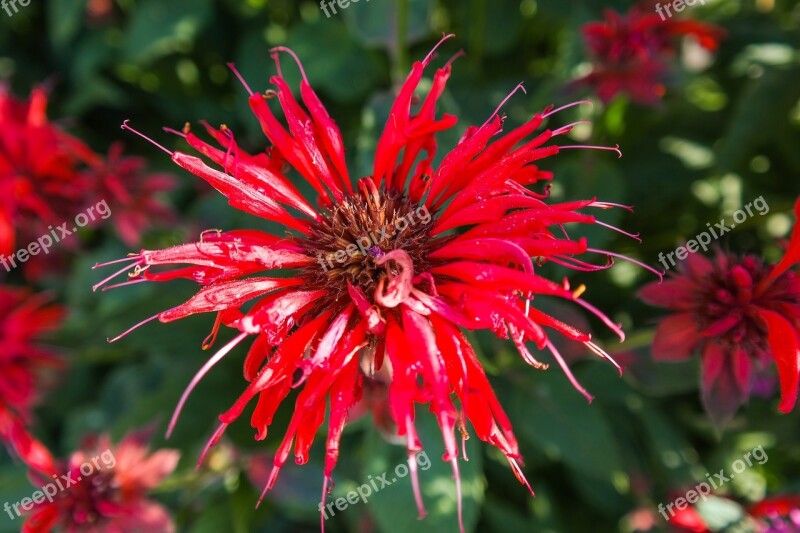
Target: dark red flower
x,y
40,181
133,193
108,489
48,177
740,315
24,318
632,54
386,273
778,514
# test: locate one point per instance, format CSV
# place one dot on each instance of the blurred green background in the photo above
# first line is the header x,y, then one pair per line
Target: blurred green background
x,y
722,137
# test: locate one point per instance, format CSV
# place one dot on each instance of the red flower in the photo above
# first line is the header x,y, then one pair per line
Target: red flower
x,y
379,275
740,315
40,182
24,318
631,54
778,514
48,177
124,183
107,489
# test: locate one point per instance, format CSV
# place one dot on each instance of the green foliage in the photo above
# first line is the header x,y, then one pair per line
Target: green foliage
x,y
720,138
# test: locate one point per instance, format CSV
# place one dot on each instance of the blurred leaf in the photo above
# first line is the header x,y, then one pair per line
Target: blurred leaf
x,y
64,19
555,418
764,105
393,506
157,28
375,23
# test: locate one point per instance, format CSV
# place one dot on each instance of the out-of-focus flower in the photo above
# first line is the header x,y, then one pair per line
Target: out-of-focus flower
x,y
632,53
779,514
48,177
40,178
24,363
133,193
740,315
378,272
112,496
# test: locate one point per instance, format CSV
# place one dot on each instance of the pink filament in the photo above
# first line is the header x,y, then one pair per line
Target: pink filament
x,y
216,358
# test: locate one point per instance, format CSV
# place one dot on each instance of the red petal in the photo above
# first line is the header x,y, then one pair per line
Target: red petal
x,y
675,338
784,344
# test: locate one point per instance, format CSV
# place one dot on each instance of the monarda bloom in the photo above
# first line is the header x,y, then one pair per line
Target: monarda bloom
x,y
48,177
103,488
40,179
741,316
387,271
632,54
24,363
133,193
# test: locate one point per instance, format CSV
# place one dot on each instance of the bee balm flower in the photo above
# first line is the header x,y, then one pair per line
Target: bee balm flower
x,y
740,315
24,318
386,272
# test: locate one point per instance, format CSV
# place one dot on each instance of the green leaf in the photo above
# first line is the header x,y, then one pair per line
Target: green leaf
x,y
555,418
64,18
375,24
393,506
158,28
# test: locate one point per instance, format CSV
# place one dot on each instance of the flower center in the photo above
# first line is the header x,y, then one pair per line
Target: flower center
x,y
350,239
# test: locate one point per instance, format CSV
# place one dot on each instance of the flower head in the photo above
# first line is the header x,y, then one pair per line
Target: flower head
x,y
631,54
386,273
134,194
740,315
40,178
24,318
48,177
107,489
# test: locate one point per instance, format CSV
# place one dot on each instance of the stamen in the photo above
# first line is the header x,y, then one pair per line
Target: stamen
x,y
519,87
211,442
174,132
452,59
609,205
125,284
568,127
618,230
602,353
626,258
519,475
143,136
142,323
130,257
430,54
273,475
216,358
322,503
568,372
240,78
616,328
115,274
457,477
550,111
274,54
615,148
